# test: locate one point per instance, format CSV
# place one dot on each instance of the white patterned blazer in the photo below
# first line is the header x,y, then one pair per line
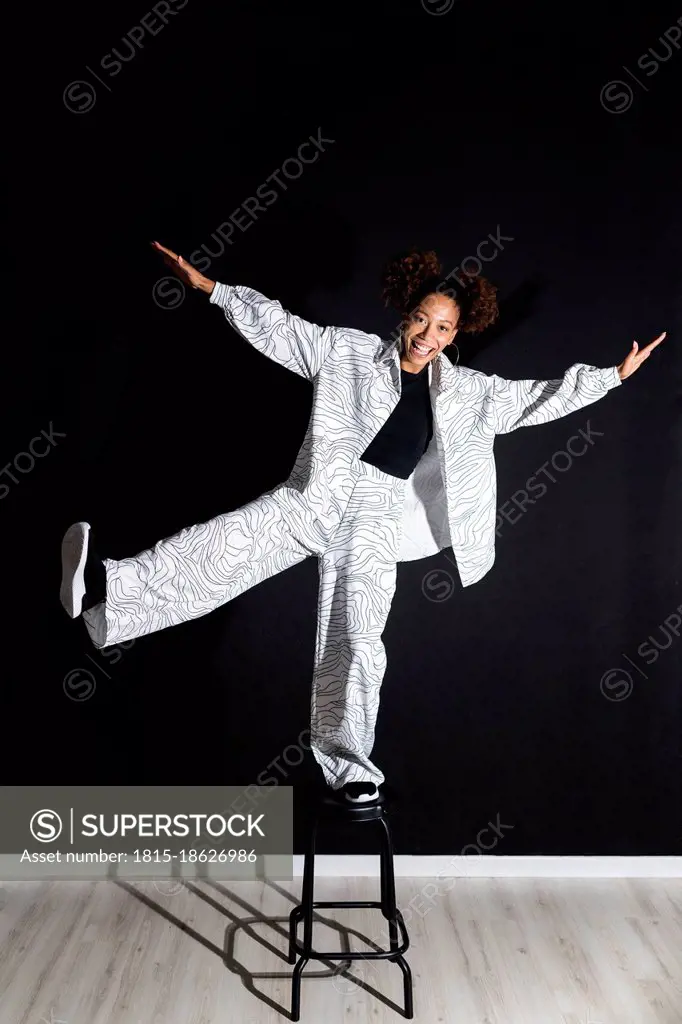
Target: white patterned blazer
x,y
450,498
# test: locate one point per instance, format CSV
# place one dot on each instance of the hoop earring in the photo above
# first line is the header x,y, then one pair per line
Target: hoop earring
x,y
457,347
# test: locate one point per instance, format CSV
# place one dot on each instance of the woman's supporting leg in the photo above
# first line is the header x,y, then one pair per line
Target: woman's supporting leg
x,y
357,583
202,567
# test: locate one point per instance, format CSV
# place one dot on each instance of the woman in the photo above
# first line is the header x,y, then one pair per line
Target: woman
x,y
397,463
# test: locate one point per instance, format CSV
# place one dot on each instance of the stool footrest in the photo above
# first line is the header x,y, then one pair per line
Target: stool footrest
x,y
383,954
349,903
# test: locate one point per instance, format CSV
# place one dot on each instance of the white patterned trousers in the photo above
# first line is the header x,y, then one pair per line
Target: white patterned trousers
x,y
202,567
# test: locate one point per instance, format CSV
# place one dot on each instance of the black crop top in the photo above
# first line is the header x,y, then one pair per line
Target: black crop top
x,y
407,432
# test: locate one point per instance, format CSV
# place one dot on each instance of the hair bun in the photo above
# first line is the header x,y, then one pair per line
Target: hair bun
x,y
405,275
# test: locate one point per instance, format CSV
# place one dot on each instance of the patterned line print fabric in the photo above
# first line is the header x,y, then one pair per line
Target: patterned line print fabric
x,y
358,521
203,566
451,496
357,583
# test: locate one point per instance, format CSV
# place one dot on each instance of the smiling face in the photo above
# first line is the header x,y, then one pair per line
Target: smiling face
x,y
431,326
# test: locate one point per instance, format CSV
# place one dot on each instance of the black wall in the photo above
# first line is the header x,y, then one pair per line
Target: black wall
x,y
499,699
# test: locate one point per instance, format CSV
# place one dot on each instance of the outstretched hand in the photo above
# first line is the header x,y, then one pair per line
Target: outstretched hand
x,y
636,356
184,270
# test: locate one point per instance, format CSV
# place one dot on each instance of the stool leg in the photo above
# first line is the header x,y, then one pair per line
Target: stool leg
x,y
296,988
383,871
294,918
308,884
306,909
388,883
389,910
407,986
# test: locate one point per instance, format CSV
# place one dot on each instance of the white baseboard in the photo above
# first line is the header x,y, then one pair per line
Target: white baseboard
x,y
330,865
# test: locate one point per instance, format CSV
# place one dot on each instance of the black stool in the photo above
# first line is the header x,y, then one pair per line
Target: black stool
x,y
331,808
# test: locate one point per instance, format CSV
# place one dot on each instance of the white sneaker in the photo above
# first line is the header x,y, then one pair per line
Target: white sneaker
x,y
74,556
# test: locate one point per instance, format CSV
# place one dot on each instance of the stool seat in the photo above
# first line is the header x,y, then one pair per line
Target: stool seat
x,y
332,810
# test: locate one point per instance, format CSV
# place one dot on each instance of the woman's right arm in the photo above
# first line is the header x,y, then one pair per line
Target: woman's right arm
x,y
300,346
291,341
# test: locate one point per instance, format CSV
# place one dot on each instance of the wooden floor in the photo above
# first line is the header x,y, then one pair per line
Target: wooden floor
x,y
489,951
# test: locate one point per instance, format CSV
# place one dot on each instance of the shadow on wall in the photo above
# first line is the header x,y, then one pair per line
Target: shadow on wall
x,y
515,309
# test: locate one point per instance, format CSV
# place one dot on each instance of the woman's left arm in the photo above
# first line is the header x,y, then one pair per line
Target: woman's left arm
x,y
525,403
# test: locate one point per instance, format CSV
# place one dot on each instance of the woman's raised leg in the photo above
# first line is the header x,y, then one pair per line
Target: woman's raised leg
x,y
200,568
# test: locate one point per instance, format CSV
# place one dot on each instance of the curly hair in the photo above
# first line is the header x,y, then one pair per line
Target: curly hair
x,y
411,276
